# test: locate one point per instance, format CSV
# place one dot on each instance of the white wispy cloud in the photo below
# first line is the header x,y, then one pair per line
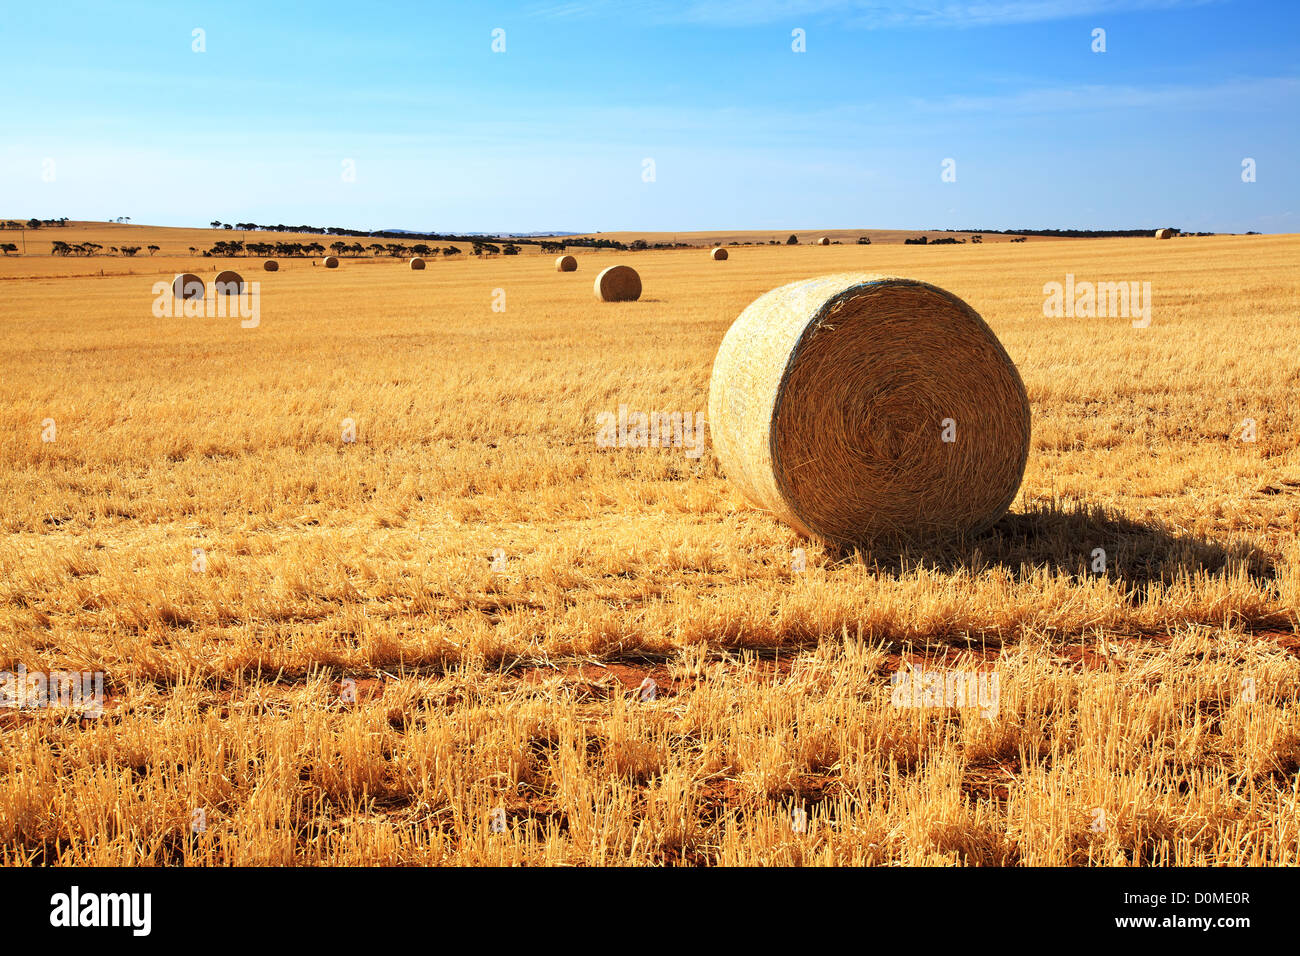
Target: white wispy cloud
x,y
1245,93
864,14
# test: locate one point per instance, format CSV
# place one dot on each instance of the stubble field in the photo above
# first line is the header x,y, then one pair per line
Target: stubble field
x,y
397,642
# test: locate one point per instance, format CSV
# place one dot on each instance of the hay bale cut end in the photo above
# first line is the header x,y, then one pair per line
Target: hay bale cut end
x,y
187,285
1164,233
270,265
618,284
718,253
866,408
330,262
823,241
566,264
228,283
417,262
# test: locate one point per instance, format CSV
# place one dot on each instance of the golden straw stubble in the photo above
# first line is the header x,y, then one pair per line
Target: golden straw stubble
x,y
863,408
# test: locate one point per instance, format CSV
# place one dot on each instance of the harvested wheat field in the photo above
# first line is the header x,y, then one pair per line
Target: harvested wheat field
x,y
356,602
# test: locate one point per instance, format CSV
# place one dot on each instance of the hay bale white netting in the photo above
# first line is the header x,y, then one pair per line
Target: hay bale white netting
x,y
228,282
718,253
618,284
270,265
823,241
187,285
829,402
1164,233
417,262
330,262
566,264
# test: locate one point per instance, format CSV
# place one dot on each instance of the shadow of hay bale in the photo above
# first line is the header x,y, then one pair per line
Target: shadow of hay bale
x,y
1062,537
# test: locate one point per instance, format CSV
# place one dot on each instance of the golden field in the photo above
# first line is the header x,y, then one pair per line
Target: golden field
x,y
492,587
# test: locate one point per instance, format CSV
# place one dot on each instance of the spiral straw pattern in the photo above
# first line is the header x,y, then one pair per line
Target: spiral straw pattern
x,y
860,408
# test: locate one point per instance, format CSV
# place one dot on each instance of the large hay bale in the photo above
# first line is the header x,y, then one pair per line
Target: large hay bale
x,y
187,285
330,262
228,282
862,407
718,253
270,265
566,264
618,284
417,262
1164,233
823,241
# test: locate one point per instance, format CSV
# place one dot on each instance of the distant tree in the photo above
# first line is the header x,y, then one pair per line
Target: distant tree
x,y
510,249
8,247
130,250
793,240
451,251
153,249
215,224
33,224
193,251
227,226
864,240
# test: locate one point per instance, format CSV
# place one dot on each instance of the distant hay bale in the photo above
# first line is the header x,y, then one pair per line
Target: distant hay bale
x,y
823,241
330,262
864,408
566,264
187,285
618,284
1164,233
417,262
228,282
718,253
270,265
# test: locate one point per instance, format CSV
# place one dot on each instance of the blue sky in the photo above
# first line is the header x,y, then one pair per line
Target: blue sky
x,y
745,133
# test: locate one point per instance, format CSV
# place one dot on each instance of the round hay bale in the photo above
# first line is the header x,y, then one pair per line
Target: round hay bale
x,y
187,285
417,262
823,241
330,262
1164,233
618,284
566,264
718,253
228,282
865,408
270,265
